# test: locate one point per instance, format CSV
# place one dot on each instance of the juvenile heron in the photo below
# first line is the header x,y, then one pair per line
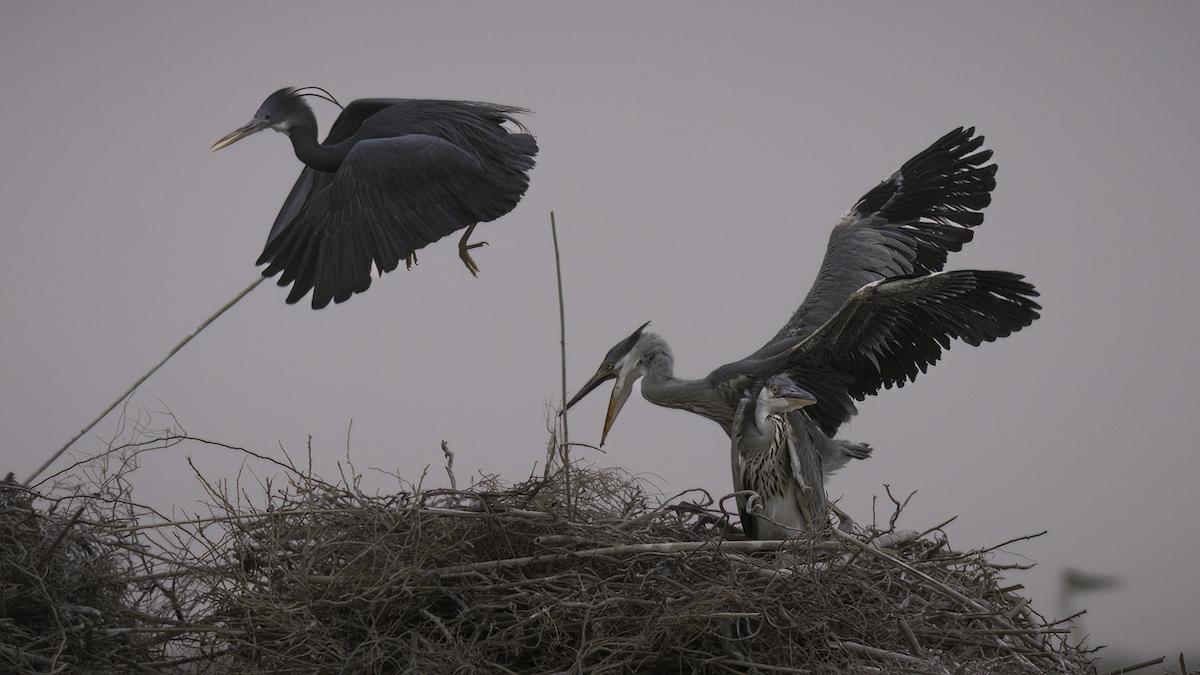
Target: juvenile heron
x,y
880,312
766,462
769,459
392,176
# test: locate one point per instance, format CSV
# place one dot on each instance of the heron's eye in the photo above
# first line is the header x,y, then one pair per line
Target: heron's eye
x,y
608,366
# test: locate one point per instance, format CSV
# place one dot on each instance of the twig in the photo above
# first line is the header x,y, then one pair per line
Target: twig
x,y
1012,613
1137,666
910,637
666,548
142,379
565,445
999,618
875,652
562,331
41,563
449,464
750,666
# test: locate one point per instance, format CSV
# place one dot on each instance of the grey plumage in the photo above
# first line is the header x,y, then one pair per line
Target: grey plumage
x,y
880,312
786,493
783,464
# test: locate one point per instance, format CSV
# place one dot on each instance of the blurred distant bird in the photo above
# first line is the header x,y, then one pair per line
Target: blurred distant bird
x,y
880,312
392,176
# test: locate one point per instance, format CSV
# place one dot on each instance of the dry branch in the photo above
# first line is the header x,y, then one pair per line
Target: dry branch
x,y
319,577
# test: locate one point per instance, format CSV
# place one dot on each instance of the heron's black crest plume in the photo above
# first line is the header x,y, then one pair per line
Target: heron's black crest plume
x,y
319,93
630,341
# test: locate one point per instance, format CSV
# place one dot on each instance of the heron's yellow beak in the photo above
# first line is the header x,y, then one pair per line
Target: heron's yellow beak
x,y
620,394
256,125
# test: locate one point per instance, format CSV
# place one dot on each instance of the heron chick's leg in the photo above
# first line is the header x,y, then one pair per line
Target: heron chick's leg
x,y
464,247
845,522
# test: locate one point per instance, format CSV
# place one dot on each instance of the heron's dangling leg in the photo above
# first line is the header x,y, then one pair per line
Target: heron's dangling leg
x,y
464,247
410,260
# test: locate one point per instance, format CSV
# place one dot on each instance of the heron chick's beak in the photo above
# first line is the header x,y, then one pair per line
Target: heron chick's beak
x,y
797,397
256,125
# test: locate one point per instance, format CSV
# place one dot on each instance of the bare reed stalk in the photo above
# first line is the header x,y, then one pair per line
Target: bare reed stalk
x,y
142,379
565,445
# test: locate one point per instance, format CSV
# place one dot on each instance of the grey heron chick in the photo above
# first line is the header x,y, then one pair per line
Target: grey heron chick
x,y
392,176
766,462
782,464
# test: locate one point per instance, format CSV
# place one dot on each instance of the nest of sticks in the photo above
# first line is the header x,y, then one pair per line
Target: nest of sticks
x,y
582,571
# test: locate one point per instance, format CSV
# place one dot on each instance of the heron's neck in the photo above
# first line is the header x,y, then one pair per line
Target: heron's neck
x,y
762,414
314,155
661,387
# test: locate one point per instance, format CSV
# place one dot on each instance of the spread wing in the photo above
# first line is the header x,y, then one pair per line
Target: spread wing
x,y
390,198
905,225
890,331
311,180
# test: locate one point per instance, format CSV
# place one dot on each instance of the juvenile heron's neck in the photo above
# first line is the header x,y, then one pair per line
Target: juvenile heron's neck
x,y
762,414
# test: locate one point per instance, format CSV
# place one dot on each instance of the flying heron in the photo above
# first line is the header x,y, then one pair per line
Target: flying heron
x,y
880,312
392,176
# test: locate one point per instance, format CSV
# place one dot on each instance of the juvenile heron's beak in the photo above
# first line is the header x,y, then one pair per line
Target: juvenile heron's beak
x,y
796,397
256,125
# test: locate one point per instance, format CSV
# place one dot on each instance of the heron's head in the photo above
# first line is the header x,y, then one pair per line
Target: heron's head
x,y
281,111
625,364
780,394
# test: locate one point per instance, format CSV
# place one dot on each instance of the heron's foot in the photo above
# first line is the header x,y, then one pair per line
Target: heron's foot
x,y
464,248
463,253
410,260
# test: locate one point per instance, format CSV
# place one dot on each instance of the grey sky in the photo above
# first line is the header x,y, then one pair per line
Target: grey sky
x,y
695,155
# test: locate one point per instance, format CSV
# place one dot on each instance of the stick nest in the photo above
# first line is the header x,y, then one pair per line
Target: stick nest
x,y
584,571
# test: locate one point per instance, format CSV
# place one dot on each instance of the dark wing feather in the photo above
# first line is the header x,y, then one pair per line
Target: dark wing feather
x,y
890,331
905,225
421,171
310,181
391,197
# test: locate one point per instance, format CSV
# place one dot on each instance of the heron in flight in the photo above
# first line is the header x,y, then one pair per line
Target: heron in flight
x,y
392,176
880,312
